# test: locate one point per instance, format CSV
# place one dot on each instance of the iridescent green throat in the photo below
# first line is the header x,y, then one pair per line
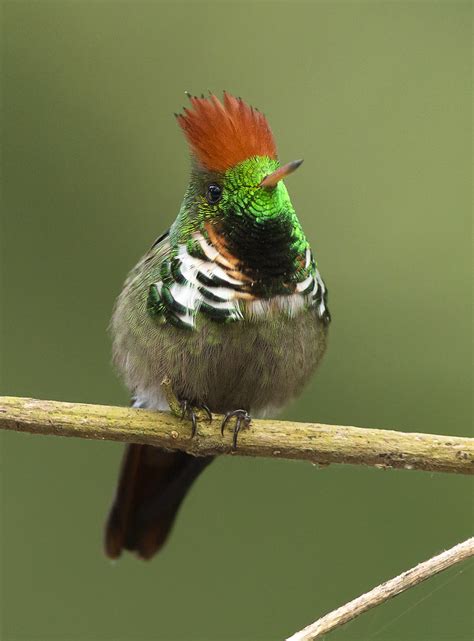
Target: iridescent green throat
x,y
257,225
242,257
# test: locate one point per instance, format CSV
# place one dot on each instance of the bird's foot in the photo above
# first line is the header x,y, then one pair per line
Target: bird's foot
x,y
194,413
184,409
242,419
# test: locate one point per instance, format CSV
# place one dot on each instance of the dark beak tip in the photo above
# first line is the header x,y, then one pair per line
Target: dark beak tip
x,y
272,179
294,164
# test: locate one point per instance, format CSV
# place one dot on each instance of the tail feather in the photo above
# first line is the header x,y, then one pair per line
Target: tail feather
x,y
152,485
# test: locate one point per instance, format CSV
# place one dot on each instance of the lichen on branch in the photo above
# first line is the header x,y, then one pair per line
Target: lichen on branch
x,y
315,442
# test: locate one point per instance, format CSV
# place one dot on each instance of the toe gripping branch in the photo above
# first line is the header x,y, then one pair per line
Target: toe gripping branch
x,y
242,419
185,409
192,412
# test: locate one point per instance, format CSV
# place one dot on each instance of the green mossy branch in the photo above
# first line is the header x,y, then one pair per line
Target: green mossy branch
x,y
315,442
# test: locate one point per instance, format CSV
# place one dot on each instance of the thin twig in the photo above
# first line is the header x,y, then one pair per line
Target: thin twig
x,y
322,444
386,591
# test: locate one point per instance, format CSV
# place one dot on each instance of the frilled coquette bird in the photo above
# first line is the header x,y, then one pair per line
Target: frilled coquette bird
x,y
228,304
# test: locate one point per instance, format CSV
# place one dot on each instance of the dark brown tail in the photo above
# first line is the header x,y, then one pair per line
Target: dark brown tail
x,y
151,487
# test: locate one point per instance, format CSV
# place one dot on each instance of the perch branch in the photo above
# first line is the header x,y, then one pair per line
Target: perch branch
x,y
385,591
315,442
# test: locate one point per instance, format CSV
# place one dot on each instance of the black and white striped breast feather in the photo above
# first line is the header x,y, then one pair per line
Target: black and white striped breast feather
x,y
198,280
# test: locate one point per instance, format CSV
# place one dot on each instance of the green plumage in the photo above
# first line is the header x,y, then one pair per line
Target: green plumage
x,y
228,305
226,357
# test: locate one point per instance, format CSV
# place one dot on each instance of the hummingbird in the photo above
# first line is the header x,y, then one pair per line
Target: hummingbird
x,y
228,305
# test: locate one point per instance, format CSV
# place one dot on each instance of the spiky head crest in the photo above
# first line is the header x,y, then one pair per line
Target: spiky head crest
x,y
223,134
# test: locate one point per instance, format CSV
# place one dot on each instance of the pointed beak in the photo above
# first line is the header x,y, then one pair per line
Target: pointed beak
x,y
282,172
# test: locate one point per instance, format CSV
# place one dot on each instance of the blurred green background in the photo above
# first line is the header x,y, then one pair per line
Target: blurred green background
x,y
376,98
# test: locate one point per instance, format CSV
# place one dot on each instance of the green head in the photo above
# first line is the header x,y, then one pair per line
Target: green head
x,y
236,191
253,187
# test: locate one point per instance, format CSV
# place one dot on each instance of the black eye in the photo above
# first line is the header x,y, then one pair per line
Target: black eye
x,y
213,193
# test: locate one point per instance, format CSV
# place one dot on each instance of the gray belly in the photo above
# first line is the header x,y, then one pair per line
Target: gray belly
x,y
241,365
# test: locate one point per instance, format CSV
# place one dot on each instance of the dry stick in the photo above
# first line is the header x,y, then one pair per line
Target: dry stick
x,y
322,444
386,591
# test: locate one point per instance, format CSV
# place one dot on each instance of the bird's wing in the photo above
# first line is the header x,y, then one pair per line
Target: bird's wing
x,y
161,240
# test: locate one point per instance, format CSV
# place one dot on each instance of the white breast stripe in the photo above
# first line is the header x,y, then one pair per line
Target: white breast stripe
x,y
210,251
229,305
187,319
185,295
322,305
320,281
300,287
188,294
211,269
224,293
189,265
192,265
192,294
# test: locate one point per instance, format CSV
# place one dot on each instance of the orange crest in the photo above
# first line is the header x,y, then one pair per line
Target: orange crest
x,y
222,134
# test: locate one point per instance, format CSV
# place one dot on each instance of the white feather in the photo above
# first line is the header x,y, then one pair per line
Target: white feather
x,y
191,298
222,292
300,287
190,266
211,269
187,319
210,251
185,295
230,305
295,304
321,306
289,305
320,281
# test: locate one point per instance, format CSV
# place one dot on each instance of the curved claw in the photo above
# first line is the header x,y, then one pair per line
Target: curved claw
x,y
208,412
242,419
193,424
188,410
227,417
